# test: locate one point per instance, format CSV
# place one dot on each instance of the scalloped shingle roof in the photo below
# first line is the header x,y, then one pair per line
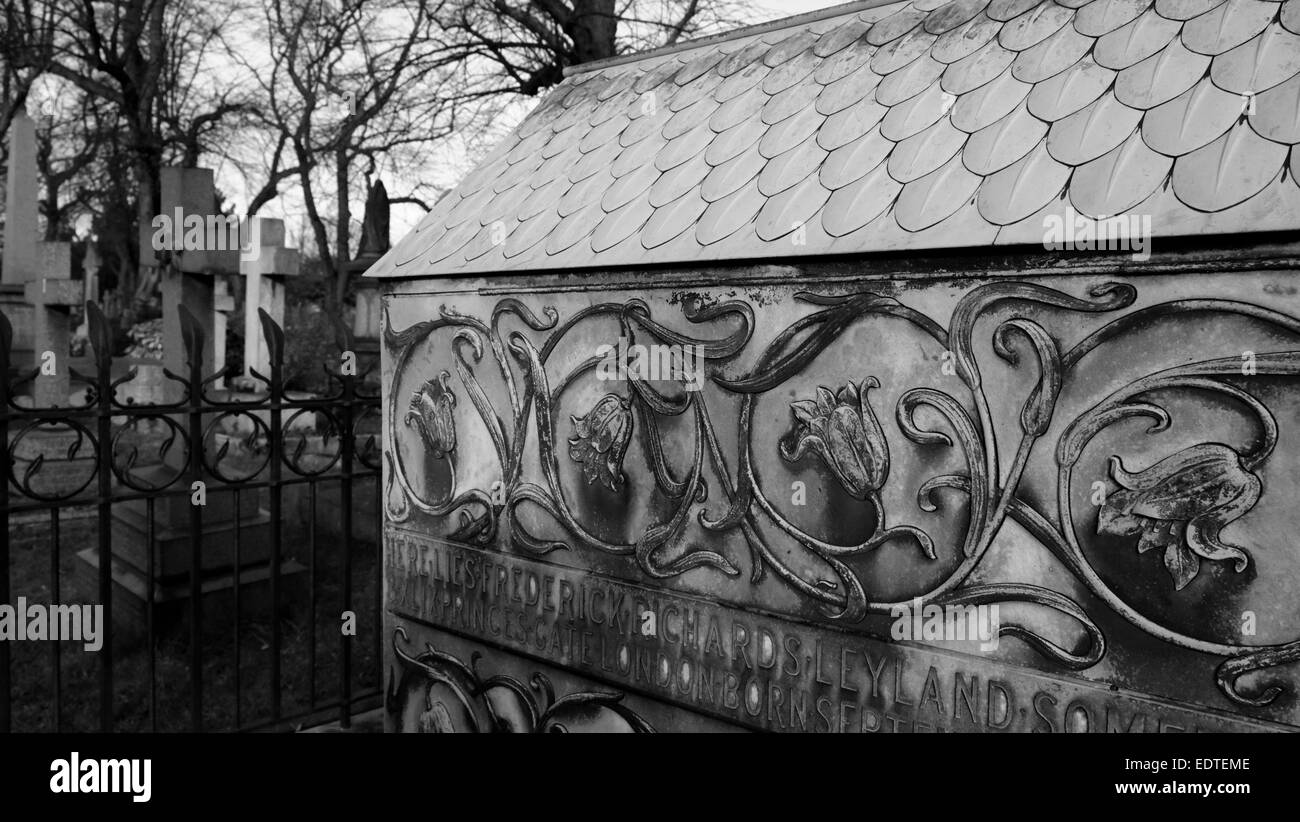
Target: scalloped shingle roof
x,y
913,125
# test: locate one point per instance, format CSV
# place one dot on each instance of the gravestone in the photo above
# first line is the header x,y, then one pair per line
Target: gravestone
x,y
90,270
21,259
37,291
189,276
223,305
90,266
52,295
264,277
192,276
374,244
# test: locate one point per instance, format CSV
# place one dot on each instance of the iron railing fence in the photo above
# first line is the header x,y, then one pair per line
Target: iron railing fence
x,y
235,527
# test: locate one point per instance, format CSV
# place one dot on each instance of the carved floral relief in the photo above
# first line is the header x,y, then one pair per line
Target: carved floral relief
x,y
1177,503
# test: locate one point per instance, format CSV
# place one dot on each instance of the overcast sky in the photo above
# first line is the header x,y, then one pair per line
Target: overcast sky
x,y
785,8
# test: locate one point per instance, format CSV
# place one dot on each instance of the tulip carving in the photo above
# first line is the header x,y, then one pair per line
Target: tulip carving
x,y
842,430
1181,504
431,414
600,440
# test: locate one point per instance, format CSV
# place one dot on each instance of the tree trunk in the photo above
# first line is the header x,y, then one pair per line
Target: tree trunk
x,y
342,252
592,29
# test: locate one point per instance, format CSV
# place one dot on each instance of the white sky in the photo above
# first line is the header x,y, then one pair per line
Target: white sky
x,y
785,8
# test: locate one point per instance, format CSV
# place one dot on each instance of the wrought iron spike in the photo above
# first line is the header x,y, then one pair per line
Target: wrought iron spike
x,y
101,335
274,336
193,338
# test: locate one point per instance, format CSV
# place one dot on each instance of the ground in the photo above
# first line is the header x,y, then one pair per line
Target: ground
x,y
306,673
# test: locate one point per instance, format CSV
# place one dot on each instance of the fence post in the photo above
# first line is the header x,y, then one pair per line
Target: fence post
x,y
6,342
193,337
101,339
347,444
103,490
275,349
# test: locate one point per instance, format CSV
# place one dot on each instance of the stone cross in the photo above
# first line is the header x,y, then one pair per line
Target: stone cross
x,y
201,250
264,276
20,260
90,265
22,193
223,303
52,295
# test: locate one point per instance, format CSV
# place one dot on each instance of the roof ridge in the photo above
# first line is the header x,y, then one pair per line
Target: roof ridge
x,y
732,34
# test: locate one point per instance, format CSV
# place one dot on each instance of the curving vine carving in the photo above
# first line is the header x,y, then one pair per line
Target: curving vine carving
x,y
1177,503
438,693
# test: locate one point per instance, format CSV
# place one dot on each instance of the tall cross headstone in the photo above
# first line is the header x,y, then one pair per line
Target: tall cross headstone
x,y
52,295
188,200
22,192
90,265
20,261
264,277
189,278
223,303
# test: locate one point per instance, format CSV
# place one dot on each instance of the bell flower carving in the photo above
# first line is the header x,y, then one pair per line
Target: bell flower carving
x,y
600,440
842,430
431,414
1181,504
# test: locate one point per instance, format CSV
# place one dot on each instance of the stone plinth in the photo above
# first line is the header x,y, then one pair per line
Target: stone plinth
x,y
21,318
171,545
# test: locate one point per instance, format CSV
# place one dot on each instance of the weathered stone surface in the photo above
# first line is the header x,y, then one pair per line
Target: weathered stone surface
x,y
51,294
22,195
1105,457
771,494
54,292
264,289
188,194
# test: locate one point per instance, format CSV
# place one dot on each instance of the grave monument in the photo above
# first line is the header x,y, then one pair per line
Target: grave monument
x,y
193,276
997,417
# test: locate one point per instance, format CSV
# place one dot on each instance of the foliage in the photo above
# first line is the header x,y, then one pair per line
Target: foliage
x,y
146,340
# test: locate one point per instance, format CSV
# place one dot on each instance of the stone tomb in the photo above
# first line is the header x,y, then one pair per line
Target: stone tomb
x,y
943,473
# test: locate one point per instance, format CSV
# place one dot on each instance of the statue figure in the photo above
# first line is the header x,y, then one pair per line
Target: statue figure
x,y
374,229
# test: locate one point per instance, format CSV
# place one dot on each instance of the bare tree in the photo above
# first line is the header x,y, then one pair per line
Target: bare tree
x,y
348,85
529,44
26,37
68,143
312,96
142,58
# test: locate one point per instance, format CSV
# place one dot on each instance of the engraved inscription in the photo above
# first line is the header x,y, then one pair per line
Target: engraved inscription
x,y
756,670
